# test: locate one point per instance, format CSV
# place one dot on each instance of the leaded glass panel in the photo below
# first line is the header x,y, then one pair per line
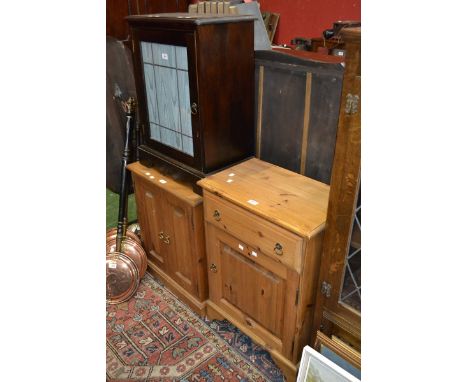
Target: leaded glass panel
x,y
351,286
165,69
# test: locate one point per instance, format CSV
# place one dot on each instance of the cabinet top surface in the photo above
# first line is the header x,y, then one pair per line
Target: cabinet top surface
x,y
152,175
307,58
191,18
283,197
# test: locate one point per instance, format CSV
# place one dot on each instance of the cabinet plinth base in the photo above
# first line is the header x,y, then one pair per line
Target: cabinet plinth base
x,y
287,367
196,305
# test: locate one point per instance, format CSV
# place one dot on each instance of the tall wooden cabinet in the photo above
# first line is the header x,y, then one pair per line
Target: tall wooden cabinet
x,y
264,229
170,215
338,316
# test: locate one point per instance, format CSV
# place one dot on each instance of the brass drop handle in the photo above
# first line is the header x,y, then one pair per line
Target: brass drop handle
x,y
213,268
165,238
194,108
217,215
278,249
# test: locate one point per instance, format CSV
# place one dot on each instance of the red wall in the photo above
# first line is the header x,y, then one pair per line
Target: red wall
x,y
308,18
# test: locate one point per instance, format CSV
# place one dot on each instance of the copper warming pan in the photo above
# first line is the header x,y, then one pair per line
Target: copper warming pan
x,y
122,278
131,249
112,234
125,258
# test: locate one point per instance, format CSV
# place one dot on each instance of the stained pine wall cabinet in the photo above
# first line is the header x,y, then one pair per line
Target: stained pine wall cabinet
x,y
170,215
194,77
264,228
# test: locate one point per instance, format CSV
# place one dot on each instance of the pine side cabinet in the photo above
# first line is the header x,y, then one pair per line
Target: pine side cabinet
x,y
264,227
170,215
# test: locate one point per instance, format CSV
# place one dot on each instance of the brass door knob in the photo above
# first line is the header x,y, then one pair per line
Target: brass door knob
x,y
161,235
167,239
213,268
278,249
217,215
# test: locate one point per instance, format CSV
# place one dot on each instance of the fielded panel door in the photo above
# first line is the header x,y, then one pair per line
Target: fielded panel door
x,y
260,291
150,211
178,243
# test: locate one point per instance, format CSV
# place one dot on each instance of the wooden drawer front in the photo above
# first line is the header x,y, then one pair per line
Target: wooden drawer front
x,y
255,231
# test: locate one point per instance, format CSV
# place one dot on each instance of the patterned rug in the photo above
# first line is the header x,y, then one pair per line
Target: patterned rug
x,y
155,337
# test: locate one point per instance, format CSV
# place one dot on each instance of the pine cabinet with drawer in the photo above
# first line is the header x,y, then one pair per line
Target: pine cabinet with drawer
x,y
170,215
264,228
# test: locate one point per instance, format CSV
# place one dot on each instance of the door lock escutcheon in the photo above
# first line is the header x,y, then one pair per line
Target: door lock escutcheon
x,y
194,108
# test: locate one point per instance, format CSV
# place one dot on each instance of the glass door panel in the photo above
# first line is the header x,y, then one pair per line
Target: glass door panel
x,y
351,285
165,69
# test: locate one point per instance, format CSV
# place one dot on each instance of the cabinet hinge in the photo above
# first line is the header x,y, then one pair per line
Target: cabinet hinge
x,y
297,296
352,103
326,289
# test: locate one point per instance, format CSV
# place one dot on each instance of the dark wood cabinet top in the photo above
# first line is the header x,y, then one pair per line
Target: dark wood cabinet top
x,y
351,34
304,56
189,18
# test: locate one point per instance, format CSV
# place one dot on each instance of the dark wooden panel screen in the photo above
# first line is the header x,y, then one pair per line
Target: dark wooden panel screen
x,y
120,85
283,92
297,104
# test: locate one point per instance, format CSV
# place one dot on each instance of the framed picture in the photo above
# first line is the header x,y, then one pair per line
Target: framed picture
x,y
339,352
315,367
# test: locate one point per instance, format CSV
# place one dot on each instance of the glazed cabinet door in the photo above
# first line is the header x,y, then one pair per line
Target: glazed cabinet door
x,y
150,210
251,287
166,79
178,242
